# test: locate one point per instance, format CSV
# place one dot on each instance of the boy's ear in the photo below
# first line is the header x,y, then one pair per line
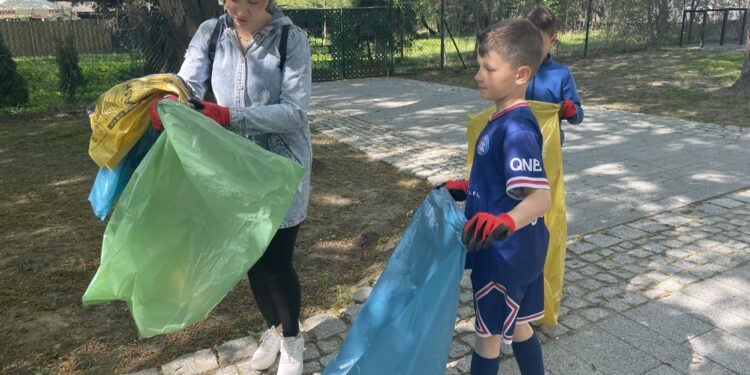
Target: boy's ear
x,y
523,75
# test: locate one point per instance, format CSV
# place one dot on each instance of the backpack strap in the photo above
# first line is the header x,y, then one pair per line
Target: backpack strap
x,y
218,29
282,46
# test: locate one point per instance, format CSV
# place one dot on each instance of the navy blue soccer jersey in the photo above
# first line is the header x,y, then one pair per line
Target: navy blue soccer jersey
x,y
508,158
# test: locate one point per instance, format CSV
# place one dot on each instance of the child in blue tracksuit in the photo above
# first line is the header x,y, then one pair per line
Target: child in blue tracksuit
x,y
553,83
506,196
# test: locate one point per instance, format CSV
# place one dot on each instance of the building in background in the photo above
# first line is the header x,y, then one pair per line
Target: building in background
x,y
44,10
81,10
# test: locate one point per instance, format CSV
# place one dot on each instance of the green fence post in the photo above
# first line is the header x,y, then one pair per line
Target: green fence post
x,y
403,32
343,43
703,27
442,34
743,33
389,42
450,34
588,27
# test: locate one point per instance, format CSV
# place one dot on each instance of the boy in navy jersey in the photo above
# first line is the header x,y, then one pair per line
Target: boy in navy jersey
x,y
506,196
554,82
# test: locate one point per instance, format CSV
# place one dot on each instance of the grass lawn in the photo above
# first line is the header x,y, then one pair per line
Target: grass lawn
x,y
50,243
100,71
671,82
423,52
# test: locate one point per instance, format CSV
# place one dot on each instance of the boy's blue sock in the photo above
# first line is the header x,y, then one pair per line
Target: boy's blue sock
x,y
529,356
484,366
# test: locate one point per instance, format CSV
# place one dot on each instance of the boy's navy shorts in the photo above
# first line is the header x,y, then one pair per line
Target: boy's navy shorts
x,y
500,307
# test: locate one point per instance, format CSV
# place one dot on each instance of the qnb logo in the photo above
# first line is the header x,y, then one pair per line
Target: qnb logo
x,y
528,165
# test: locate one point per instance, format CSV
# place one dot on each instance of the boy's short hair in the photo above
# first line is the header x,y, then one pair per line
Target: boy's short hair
x,y
543,18
516,40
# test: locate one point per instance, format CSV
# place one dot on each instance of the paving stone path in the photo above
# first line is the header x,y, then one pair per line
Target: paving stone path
x,y
657,273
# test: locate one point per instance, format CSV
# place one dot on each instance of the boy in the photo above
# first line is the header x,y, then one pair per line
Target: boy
x,y
506,196
553,83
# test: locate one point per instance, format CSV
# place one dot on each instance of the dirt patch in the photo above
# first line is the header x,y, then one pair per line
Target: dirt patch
x,y
50,244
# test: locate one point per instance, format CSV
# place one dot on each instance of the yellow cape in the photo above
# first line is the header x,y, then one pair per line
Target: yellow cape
x,y
554,267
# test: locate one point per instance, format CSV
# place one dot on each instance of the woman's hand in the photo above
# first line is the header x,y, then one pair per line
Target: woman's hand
x,y
155,121
216,112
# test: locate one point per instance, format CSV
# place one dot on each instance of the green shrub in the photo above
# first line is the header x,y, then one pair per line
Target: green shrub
x,y
71,77
13,88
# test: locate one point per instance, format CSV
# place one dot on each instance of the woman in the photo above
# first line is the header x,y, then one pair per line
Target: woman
x,y
266,100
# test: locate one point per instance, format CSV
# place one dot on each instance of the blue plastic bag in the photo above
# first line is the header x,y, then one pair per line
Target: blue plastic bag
x,y
109,184
407,323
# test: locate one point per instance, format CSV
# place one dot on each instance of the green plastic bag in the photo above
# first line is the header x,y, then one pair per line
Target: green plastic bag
x,y
198,212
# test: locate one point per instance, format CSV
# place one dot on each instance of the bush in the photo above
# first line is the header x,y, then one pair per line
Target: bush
x,y
13,88
71,77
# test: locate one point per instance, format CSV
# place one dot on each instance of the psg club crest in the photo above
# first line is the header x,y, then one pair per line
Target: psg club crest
x,y
484,145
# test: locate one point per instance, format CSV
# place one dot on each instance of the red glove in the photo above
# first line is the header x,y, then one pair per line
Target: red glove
x,y
155,121
568,109
215,112
485,228
457,188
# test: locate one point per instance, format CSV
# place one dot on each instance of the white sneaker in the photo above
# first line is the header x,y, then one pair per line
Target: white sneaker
x,y
265,356
292,349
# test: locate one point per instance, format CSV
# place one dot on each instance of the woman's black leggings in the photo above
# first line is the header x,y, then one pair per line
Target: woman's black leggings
x,y
275,284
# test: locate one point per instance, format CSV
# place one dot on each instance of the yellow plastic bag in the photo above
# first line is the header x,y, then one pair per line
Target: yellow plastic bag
x,y
554,267
121,115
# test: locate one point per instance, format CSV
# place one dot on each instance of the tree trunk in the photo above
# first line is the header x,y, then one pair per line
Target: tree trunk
x,y
182,19
477,14
663,8
743,82
650,18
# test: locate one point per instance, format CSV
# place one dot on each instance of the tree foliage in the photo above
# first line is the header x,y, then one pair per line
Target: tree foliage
x,y
66,56
13,87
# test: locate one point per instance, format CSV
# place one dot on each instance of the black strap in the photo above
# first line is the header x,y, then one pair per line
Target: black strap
x,y
218,29
282,46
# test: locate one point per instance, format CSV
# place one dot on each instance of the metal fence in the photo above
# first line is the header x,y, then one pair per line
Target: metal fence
x,y
348,42
102,46
435,34
37,38
711,26
406,36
